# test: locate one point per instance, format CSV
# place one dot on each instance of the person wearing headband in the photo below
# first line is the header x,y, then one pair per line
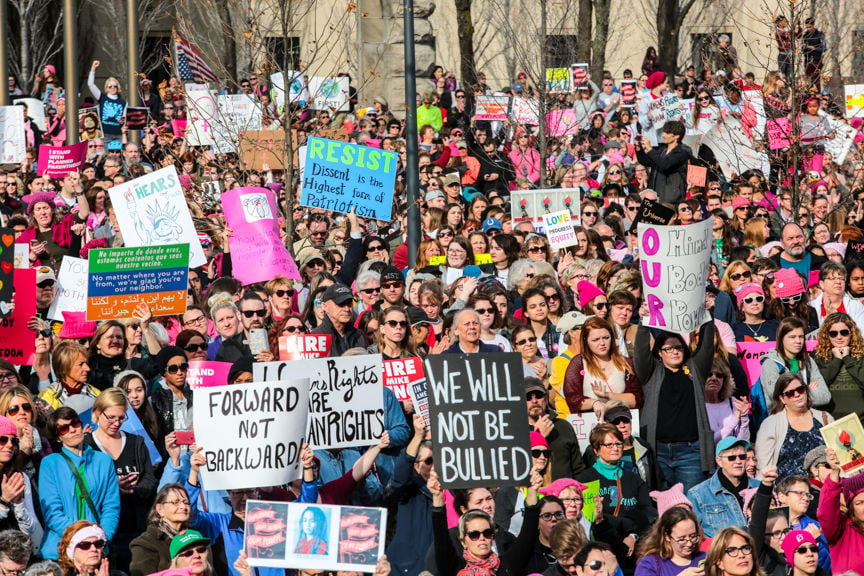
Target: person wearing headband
x,y
81,551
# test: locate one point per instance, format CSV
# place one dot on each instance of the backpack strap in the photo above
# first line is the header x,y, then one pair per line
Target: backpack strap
x,y
81,486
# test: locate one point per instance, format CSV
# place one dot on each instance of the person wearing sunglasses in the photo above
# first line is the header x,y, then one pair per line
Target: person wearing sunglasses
x,y
839,354
736,274
17,404
253,317
191,550
194,344
172,399
280,292
752,324
336,302
790,300
591,300
82,550
16,499
794,492
112,106
71,367
62,497
802,554
393,337
525,343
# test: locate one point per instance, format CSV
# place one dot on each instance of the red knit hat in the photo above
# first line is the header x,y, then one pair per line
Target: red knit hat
x,y
655,80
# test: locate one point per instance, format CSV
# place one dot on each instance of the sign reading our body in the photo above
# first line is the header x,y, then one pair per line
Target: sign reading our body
x,y
346,398
251,434
120,279
674,263
340,176
479,419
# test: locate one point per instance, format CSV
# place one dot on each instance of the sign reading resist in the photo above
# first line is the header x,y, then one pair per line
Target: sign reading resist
x,y
479,419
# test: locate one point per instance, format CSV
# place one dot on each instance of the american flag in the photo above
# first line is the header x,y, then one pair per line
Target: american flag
x,y
190,64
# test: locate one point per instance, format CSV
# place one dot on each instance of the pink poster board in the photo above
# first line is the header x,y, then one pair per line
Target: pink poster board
x,y
58,161
17,342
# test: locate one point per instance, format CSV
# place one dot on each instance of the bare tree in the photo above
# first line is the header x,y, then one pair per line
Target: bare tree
x,y
465,27
35,38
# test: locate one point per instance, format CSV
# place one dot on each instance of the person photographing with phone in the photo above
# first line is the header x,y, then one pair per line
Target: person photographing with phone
x,y
50,235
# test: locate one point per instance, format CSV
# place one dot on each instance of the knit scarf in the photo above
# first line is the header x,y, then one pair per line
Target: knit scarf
x,y
608,471
476,567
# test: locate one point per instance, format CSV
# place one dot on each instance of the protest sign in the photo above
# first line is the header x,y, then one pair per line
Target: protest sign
x,y
491,108
420,399
854,100
854,252
589,505
559,229
152,211
251,434
753,117
750,354
89,124
532,205
14,149
58,161
842,141
562,122
525,111
304,346
252,214
206,374
479,420
121,279
733,149
17,343
235,113
557,80
675,261
696,175
579,76
71,288
846,437
35,111
314,536
664,109
482,258
200,111
297,92
628,93
178,127
136,118
583,423
401,374
346,399
174,572
7,265
340,176
652,212
329,93
778,133
263,147
22,256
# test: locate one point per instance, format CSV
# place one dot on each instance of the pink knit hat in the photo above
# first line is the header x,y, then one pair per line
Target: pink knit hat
x,y
670,498
739,202
75,325
586,291
32,199
852,486
787,283
558,486
746,496
793,540
746,289
7,427
538,440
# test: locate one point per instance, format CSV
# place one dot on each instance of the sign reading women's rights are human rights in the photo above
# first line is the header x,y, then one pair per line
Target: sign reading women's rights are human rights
x,y
339,176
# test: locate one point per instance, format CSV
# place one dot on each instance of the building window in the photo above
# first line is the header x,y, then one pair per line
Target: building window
x,y
560,51
276,48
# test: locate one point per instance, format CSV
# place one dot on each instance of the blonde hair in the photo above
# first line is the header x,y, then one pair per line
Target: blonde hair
x,y
113,79
109,398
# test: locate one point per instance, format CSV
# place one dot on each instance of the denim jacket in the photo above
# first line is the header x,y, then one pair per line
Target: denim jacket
x,y
716,507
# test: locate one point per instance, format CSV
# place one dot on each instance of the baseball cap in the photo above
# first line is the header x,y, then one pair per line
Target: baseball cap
x,y
187,538
730,442
616,412
44,273
814,457
309,257
452,178
337,293
571,320
491,224
114,145
534,385
434,195
392,274
417,316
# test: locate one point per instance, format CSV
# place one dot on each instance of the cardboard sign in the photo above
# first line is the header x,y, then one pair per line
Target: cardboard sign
x,y
120,279
235,113
491,108
579,76
842,142
559,229
562,122
14,148
652,212
252,214
136,118
340,176
17,342
533,205
401,374
479,419
854,252
628,93
557,80
206,374
346,399
89,124
35,110
674,261
329,93
58,161
71,288
525,111
152,211
251,434
846,437
696,175
314,536
263,147
733,149
297,92
201,112
854,100
589,505
583,423
304,346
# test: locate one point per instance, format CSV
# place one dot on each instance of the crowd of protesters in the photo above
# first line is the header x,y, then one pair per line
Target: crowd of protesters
x,y
717,479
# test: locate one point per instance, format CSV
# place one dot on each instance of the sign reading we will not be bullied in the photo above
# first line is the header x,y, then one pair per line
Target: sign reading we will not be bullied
x,y
251,434
479,419
339,176
674,262
346,398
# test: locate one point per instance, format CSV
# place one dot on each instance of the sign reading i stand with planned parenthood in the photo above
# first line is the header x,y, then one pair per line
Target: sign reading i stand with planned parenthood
x,y
478,419
340,176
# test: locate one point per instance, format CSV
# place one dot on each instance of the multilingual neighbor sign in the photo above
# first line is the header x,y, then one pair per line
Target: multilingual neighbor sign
x,y
479,420
120,279
674,262
341,175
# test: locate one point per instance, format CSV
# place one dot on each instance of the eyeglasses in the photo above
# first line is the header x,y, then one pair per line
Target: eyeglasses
x,y
83,341
614,172
573,500
201,347
178,502
261,313
530,339
620,420
121,418
797,391
200,550
835,333
8,377
734,457
46,284
539,453
551,297
475,535
198,320
174,368
113,86
445,234
547,516
807,549
282,293
427,461
4,440
739,275
535,395
685,209
805,494
718,374
669,349
46,333
64,428
751,299
632,208
395,323
375,248
600,305
684,539
391,285
612,444
596,564
791,299
734,552
87,544
704,98
483,311
134,326
779,533
13,410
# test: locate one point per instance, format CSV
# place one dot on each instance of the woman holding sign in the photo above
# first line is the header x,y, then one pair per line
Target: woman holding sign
x,y
51,237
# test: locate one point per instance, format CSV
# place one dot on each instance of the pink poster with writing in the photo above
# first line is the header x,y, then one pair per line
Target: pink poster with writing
x,y
256,248
401,373
58,161
205,374
17,342
750,354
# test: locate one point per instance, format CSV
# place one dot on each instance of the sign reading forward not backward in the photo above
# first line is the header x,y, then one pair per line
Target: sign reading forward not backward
x,y
478,419
340,176
558,227
251,434
346,398
120,279
674,263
